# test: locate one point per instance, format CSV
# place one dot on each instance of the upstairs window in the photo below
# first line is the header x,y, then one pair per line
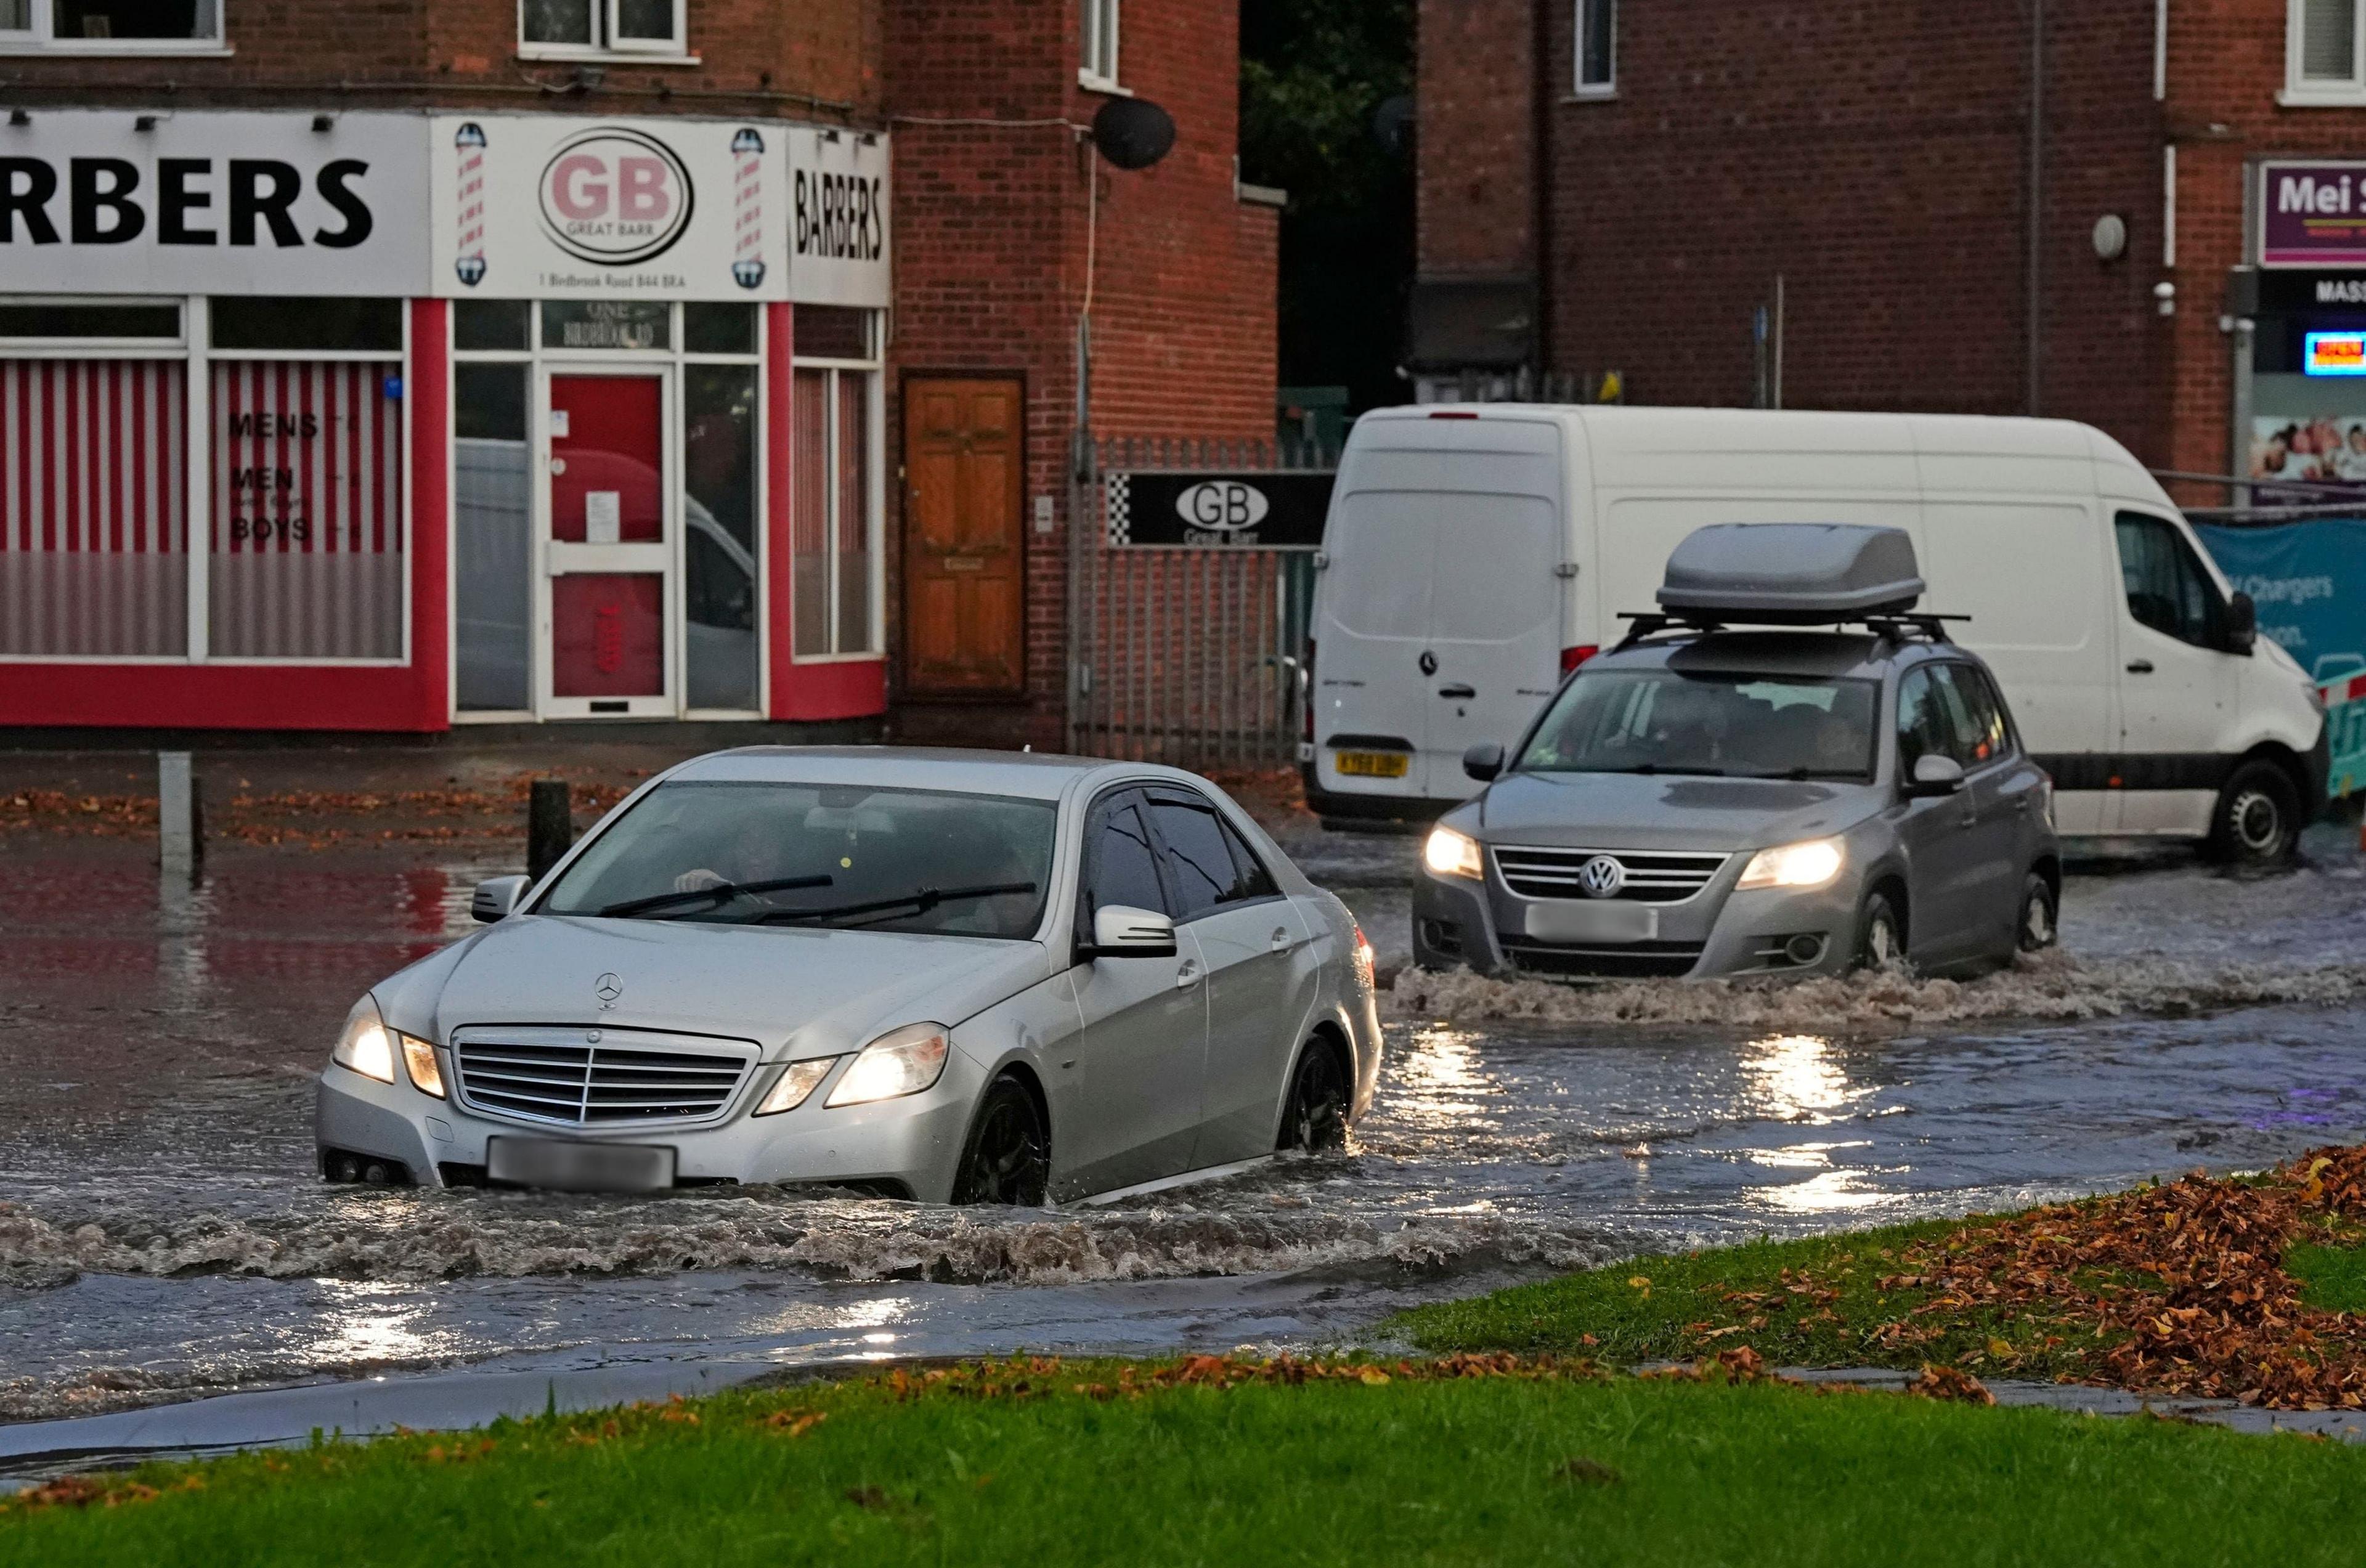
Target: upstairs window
x,y
598,27
2322,63
1099,67
1597,47
150,27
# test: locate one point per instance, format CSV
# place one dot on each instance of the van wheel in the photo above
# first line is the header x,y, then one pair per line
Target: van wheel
x,y
1006,1159
1315,1119
2258,820
1881,935
2038,927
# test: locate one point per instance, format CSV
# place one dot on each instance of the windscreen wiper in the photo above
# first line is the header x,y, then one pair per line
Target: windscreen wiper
x,y
921,900
719,893
1658,769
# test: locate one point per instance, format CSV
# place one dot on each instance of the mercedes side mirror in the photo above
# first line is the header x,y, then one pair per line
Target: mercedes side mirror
x,y
496,897
2242,624
1935,774
1484,762
1121,932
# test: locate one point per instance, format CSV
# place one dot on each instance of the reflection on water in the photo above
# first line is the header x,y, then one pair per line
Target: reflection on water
x,y
373,1324
1798,1078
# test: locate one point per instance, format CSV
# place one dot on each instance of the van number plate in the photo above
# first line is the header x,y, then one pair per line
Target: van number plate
x,y
1373,764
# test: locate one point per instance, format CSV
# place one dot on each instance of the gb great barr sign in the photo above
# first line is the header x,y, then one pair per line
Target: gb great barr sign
x,y
200,202
2312,214
1267,509
553,206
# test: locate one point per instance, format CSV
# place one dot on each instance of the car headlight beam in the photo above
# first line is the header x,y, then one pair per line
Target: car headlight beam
x,y
1449,853
900,1062
1806,865
367,1046
797,1086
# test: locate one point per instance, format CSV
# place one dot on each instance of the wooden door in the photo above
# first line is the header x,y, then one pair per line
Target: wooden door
x,y
964,591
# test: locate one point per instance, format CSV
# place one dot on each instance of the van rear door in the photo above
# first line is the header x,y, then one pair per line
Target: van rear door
x,y
1439,621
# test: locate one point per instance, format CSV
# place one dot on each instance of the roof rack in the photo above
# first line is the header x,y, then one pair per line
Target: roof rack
x,y
1893,627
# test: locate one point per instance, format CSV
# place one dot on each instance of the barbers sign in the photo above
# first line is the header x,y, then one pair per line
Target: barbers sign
x,y
1270,510
838,218
202,202
556,207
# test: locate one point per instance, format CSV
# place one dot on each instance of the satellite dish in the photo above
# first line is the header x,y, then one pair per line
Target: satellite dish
x,y
1133,133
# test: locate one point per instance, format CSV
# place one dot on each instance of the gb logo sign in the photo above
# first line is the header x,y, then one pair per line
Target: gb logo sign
x,y
616,197
1223,506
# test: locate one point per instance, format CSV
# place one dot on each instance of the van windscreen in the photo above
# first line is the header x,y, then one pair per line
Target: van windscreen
x,y
1721,726
1444,565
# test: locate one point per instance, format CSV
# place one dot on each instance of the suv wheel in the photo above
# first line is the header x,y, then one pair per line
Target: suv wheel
x,y
1881,935
2258,819
2038,927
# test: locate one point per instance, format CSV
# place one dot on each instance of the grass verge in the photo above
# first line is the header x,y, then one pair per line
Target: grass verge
x,y
2244,1288
1045,1465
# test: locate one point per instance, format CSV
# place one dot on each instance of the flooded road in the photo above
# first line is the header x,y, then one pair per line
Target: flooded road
x,y
163,1236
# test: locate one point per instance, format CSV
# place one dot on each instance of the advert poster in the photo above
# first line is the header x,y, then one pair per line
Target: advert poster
x,y
2312,214
555,207
184,201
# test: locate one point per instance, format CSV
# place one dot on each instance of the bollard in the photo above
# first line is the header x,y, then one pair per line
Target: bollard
x,y
549,826
180,828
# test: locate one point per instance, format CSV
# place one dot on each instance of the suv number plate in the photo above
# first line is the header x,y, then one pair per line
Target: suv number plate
x,y
1606,921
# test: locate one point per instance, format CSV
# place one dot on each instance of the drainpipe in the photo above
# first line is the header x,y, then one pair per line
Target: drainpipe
x,y
1540,181
2036,218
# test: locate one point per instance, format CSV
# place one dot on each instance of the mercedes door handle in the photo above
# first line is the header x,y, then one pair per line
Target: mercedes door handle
x,y
1187,976
1457,694
1281,940
2139,666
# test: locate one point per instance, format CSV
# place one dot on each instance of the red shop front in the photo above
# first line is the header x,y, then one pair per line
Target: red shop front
x,y
545,495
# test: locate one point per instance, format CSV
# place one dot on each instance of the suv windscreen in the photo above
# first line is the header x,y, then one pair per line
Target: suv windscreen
x,y
792,854
1736,726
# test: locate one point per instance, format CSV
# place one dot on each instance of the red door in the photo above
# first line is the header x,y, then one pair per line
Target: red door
x,y
608,551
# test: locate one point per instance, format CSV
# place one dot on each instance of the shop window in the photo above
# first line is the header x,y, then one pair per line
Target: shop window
x,y
1098,68
491,325
492,538
628,325
601,26
132,26
720,588
718,328
835,516
1597,47
830,331
2322,58
95,321
307,557
93,515
308,325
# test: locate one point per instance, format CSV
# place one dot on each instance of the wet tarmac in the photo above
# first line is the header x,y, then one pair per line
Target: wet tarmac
x,y
162,1236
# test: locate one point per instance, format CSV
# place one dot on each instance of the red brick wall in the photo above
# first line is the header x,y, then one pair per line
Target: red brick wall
x,y
1476,85
990,226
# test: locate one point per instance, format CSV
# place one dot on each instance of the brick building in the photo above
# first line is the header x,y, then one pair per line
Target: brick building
x,y
2053,207
426,364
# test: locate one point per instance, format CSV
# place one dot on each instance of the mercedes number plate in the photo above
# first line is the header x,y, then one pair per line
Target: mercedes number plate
x,y
1372,764
579,1166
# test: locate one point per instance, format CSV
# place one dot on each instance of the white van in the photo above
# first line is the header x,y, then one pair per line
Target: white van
x,y
1475,555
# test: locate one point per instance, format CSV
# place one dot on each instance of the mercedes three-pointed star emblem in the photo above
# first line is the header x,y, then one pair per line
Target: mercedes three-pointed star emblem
x,y
608,988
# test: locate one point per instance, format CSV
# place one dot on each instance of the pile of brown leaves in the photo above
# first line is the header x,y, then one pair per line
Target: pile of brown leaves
x,y
2176,1289
109,815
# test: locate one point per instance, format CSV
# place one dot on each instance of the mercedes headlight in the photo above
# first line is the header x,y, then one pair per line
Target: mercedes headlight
x,y
1811,864
900,1062
368,1047
797,1086
1449,853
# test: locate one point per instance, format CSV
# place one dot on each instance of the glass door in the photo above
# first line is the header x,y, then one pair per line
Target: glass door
x,y
609,508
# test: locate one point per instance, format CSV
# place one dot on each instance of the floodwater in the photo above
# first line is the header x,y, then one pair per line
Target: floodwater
x,y
163,1236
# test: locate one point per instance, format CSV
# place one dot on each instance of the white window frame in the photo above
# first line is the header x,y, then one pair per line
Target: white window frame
x,y
1102,27
874,499
37,39
609,45
2301,91
1582,14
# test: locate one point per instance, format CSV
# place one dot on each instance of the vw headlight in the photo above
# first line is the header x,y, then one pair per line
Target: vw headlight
x,y
900,1062
1449,853
797,1086
367,1046
1811,864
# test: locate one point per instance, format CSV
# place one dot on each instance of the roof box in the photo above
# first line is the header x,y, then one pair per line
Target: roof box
x,y
1791,573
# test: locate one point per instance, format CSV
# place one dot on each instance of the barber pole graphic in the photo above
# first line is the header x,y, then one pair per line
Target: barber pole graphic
x,y
748,207
468,143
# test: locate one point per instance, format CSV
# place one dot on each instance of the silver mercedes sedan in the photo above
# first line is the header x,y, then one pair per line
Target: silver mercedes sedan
x,y
964,977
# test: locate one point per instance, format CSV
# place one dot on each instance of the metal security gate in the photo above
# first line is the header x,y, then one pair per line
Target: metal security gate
x,y
1188,641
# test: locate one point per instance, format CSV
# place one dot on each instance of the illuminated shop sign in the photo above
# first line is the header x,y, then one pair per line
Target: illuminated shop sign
x,y
2334,353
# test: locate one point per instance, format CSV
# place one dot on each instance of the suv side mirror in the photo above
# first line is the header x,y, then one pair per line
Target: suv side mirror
x,y
1935,774
2242,624
1121,932
496,897
1484,762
